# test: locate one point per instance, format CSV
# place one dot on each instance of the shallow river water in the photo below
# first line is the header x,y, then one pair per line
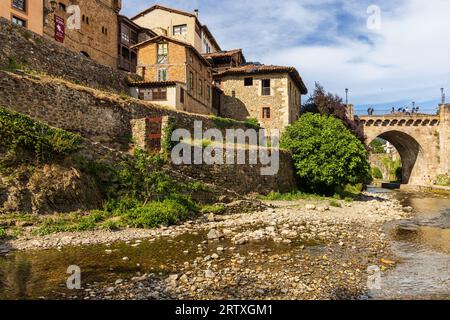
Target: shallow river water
x,y
422,245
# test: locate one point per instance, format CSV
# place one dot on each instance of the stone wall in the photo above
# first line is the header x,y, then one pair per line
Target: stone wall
x,y
245,179
92,113
43,55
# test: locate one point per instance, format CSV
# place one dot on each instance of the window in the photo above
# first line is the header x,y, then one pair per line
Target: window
x,y
19,5
162,75
208,93
248,82
62,7
182,95
18,21
233,94
191,81
159,94
163,53
180,30
266,113
200,87
265,87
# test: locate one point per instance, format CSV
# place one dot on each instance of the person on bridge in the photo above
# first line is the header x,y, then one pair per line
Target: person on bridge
x,y
393,110
407,111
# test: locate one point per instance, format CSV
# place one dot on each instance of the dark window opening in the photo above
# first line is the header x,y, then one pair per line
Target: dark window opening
x,y
248,82
182,95
62,7
266,113
18,21
159,94
19,4
265,90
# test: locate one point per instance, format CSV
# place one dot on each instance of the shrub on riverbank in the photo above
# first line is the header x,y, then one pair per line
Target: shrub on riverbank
x,y
327,156
443,180
20,131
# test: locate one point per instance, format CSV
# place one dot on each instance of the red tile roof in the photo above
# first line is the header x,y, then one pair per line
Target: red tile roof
x,y
265,69
220,54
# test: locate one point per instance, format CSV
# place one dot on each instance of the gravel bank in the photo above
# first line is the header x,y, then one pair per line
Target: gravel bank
x,y
291,250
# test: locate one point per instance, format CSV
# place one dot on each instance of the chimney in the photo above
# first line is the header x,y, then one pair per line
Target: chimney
x,y
196,12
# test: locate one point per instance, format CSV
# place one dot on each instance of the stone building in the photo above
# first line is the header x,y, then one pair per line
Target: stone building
x,y
181,25
270,94
97,37
26,13
175,74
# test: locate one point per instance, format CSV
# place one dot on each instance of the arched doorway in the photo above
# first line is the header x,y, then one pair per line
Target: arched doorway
x,y
412,156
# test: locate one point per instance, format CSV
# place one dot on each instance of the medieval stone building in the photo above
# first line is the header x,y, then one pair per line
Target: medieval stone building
x,y
270,94
175,74
97,37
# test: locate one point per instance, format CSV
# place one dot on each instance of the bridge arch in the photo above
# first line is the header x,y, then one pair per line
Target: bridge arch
x,y
412,154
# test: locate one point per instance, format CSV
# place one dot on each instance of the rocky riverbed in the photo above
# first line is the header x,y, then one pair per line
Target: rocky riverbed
x,y
287,250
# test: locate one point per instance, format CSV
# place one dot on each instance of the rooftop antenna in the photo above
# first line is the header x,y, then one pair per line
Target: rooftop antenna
x,y
442,96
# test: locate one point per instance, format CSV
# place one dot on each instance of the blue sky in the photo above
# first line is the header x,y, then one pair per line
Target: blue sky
x,y
406,59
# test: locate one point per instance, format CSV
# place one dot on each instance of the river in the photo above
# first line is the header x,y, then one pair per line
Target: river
x,y
421,245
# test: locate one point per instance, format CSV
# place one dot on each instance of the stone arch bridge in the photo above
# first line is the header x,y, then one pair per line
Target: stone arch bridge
x,y
421,140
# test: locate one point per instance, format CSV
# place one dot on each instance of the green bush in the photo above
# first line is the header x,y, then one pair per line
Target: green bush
x,y
2,233
443,180
327,156
376,173
225,123
20,131
215,208
155,213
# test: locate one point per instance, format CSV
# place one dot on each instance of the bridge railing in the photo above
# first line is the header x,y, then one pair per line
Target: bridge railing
x,y
384,112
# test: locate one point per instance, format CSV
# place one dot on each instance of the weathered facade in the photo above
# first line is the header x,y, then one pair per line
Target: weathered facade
x,y
181,25
97,37
25,13
164,61
270,94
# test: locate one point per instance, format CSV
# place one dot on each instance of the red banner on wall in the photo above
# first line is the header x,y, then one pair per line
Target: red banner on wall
x,y
59,29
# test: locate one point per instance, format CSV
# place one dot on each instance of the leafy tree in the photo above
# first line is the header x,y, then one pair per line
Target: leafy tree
x,y
328,104
327,156
377,146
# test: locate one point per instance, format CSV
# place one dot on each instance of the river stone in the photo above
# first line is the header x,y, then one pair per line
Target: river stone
x,y
210,274
310,207
213,234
